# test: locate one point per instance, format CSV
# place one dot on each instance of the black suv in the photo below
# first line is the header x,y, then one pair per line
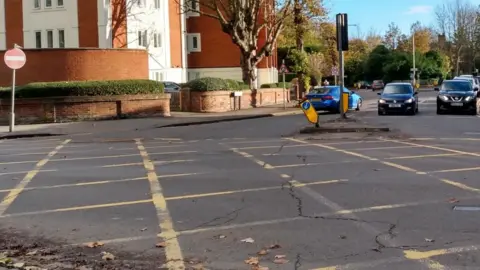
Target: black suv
x,y
456,95
398,98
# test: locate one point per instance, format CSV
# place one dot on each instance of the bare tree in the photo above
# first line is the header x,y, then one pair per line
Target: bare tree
x,y
130,10
244,21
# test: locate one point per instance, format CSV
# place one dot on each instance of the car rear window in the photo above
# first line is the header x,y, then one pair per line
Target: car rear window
x,y
398,89
377,81
321,90
456,86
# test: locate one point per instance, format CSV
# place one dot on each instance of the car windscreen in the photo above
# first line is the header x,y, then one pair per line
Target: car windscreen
x,y
398,89
456,86
321,90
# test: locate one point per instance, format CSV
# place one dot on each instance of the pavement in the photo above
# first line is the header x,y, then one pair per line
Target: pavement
x,y
251,194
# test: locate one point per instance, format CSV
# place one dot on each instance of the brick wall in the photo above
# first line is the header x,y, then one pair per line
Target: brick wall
x,y
64,109
223,101
50,65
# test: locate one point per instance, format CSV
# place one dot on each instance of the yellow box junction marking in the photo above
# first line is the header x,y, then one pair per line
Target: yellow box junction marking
x,y
173,251
429,263
13,194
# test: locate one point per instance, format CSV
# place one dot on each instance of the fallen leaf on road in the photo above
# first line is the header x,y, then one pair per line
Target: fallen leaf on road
x,y
5,261
19,265
258,267
280,261
252,261
429,240
221,236
143,229
108,256
280,256
161,245
248,240
275,246
342,237
453,200
95,244
262,252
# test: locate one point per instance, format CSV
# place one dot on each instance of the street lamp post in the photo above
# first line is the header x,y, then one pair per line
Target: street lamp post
x,y
414,69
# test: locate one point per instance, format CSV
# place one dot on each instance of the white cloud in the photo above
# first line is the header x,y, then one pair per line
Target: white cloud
x,y
419,10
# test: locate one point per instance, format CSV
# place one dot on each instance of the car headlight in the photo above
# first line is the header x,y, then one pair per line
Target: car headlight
x,y
442,97
410,100
381,101
469,98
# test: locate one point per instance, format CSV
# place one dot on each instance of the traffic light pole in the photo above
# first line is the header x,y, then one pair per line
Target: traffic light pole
x,y
342,45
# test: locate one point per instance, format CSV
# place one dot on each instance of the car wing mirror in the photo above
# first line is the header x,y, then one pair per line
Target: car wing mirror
x,y
436,89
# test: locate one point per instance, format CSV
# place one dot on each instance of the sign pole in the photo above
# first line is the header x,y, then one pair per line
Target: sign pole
x,y
284,89
12,106
14,59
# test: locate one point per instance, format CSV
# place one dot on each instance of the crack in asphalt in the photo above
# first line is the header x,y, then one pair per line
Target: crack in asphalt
x,y
388,234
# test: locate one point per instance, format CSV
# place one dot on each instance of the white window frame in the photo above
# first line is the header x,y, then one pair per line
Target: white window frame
x,y
157,40
59,40
51,3
191,13
157,4
142,38
48,41
62,4
35,37
190,38
158,76
35,2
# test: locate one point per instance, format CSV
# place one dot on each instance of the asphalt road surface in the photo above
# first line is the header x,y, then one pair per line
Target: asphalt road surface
x,y
224,195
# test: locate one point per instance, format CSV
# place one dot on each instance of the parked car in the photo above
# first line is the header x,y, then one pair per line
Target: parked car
x,y
171,87
456,95
327,98
377,85
474,81
364,85
398,98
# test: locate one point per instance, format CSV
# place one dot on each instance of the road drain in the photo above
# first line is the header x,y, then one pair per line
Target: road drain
x,y
466,208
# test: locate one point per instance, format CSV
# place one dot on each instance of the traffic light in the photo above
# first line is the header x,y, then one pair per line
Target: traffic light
x,y
342,32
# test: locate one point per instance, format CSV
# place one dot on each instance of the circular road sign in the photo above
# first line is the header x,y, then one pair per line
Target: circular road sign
x,y
15,58
306,105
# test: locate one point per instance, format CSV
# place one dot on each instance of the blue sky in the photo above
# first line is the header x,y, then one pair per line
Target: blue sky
x,y
377,14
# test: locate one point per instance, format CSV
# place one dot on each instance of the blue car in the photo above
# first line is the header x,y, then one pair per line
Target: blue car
x,y
327,98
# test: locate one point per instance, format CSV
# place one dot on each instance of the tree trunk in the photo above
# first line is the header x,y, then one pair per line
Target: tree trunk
x,y
249,75
299,33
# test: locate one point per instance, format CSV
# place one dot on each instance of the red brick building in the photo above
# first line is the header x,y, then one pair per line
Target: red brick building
x,y
180,46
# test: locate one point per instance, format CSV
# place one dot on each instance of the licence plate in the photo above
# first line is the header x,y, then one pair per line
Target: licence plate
x,y
316,99
395,105
458,104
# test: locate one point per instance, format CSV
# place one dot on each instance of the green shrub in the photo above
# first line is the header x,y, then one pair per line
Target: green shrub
x,y
86,88
276,85
216,84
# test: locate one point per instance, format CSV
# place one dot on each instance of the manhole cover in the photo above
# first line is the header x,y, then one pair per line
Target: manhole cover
x,y
466,208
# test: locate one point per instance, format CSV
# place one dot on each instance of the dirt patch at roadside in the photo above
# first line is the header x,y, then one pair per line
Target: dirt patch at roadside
x,y
18,250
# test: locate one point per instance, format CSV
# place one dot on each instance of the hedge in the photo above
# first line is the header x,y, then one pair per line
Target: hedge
x,y
276,85
86,88
216,84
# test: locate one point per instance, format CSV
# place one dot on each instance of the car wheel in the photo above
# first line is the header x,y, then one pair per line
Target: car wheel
x,y
439,111
473,112
359,105
381,112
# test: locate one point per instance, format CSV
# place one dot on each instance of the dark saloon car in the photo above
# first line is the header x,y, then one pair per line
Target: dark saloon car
x,y
456,95
398,98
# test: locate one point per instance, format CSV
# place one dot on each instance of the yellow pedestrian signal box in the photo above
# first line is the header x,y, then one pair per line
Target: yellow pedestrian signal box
x,y
310,112
345,102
